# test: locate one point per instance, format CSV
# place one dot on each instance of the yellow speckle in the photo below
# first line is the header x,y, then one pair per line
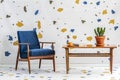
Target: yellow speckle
x,y
60,9
113,78
89,38
41,76
39,35
74,37
77,1
39,24
82,76
84,71
15,43
11,74
106,72
104,12
112,21
25,79
19,24
63,30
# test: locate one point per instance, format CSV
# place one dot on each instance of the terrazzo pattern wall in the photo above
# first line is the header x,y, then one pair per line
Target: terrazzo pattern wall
x,y
59,21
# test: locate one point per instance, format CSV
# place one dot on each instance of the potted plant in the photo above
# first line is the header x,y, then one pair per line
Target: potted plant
x,y
99,32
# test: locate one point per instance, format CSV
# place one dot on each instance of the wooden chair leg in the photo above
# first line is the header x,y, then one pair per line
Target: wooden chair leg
x,y
16,64
39,63
54,64
17,59
29,66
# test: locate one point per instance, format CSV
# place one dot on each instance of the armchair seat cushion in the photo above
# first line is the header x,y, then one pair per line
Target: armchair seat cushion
x,y
38,52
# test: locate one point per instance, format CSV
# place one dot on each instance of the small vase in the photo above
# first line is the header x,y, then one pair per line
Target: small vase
x,y
100,40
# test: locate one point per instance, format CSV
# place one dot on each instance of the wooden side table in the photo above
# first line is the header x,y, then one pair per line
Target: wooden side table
x,y
69,54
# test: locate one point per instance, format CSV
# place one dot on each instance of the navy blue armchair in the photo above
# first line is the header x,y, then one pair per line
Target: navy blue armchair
x,y
29,48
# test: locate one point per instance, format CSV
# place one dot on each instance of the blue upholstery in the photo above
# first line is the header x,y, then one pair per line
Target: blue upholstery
x,y
31,38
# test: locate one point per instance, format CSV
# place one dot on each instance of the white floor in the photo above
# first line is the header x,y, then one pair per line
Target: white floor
x,y
77,72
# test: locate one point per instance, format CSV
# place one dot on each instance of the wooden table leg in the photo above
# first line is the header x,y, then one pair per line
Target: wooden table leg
x,y
111,59
67,60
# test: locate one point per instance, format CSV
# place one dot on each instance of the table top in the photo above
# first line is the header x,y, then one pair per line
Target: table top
x,y
91,46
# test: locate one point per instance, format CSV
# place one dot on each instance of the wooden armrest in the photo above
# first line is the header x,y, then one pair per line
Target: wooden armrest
x,y
48,42
52,44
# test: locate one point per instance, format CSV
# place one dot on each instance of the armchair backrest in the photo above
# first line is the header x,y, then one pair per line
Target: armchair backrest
x,y
29,37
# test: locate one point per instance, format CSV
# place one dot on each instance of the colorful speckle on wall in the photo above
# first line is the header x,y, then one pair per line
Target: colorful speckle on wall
x,y
8,16
50,1
112,21
89,38
104,12
54,22
83,21
40,35
7,53
1,1
98,20
98,3
84,2
15,43
60,9
63,30
25,8
10,38
115,27
19,24
113,11
72,30
77,1
39,24
36,12
74,36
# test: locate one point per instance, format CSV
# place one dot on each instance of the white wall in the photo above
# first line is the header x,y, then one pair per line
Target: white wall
x,y
81,16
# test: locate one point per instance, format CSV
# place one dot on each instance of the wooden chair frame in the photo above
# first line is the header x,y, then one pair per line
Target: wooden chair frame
x,y
50,57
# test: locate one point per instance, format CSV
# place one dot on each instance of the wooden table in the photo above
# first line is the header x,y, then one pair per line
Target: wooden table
x,y
69,54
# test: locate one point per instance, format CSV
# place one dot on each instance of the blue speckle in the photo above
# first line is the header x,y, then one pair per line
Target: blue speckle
x,y
1,74
49,77
17,76
67,41
36,12
18,73
85,2
88,74
115,27
32,76
112,11
98,20
7,53
89,71
72,30
98,3
10,38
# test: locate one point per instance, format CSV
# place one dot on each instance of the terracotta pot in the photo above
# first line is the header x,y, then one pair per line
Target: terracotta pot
x,y
100,40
